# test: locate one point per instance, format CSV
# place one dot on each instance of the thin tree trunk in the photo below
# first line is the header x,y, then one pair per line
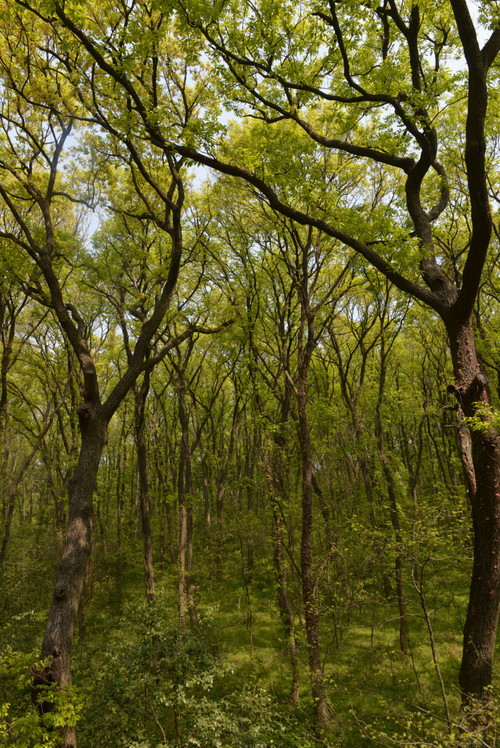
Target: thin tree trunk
x,y
121,467
193,616
103,541
181,570
188,496
8,515
183,514
393,504
171,532
275,483
219,504
141,394
7,334
10,503
206,490
311,612
285,605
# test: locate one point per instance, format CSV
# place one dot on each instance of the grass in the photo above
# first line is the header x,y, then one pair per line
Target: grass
x,y
238,666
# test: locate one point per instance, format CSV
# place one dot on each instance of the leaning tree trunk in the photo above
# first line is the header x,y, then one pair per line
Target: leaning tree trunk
x,y
484,597
57,643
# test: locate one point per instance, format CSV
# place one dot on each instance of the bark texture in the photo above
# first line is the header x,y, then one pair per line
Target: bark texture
x,y
58,640
482,614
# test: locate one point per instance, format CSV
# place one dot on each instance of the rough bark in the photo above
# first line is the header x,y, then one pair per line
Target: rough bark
x,y
484,597
58,639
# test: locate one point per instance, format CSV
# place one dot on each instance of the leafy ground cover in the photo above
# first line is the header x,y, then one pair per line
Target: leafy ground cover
x,y
142,684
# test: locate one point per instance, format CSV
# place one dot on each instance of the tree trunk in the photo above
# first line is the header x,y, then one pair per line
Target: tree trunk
x,y
219,505
119,512
482,614
193,616
285,605
141,394
275,483
206,490
181,571
311,612
188,486
398,564
57,643
391,491
10,504
182,488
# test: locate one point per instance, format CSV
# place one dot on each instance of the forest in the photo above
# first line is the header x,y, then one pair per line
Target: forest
x,y
249,373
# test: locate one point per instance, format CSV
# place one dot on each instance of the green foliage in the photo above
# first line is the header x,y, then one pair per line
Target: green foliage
x,y
477,727
20,723
156,681
376,389
485,418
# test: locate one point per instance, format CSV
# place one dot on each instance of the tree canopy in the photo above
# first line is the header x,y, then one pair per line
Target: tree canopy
x,y
248,323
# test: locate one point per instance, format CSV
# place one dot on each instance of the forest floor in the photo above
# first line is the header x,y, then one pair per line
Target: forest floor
x,y
138,683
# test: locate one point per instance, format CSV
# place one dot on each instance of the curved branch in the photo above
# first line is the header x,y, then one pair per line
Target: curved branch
x,y
475,153
444,197
414,289
382,157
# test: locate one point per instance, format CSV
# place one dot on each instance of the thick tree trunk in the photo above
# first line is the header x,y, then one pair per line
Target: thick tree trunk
x,y
482,615
57,643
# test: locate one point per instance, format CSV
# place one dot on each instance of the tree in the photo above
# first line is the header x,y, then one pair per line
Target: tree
x,y
310,69
37,222
370,83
